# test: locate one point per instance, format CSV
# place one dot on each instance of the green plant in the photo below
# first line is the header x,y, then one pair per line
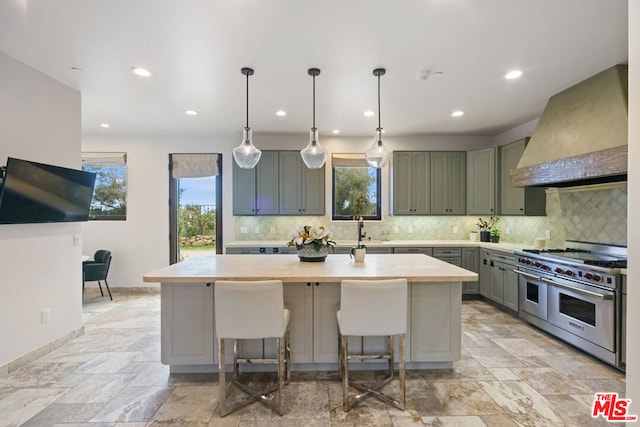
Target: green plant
x,y
486,224
495,231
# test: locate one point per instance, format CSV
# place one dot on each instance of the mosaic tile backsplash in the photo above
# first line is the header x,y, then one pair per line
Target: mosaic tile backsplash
x,y
594,214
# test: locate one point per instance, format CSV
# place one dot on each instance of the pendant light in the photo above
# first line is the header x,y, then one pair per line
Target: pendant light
x,y
313,155
246,154
378,155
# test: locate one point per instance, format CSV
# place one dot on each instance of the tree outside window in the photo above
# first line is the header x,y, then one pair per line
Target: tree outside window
x,y
356,188
110,192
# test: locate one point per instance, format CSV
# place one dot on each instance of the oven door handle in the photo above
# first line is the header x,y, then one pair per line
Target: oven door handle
x,y
582,291
530,276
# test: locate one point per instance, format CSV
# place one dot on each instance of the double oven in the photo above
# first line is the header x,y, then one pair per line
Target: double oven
x,y
574,293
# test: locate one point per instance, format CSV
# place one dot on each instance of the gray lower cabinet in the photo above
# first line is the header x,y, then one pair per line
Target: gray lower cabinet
x,y
485,273
255,191
301,188
498,281
516,200
482,185
411,188
471,261
448,182
370,250
187,307
425,251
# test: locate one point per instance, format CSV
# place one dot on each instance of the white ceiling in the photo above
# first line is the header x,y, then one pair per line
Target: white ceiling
x,y
195,49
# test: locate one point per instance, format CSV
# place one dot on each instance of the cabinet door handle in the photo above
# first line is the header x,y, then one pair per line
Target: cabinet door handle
x,y
209,285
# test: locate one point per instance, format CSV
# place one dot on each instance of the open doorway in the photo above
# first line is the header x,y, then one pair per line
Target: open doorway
x,y
195,205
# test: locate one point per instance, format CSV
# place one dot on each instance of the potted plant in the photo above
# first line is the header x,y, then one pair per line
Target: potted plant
x,y
312,242
484,225
495,234
358,252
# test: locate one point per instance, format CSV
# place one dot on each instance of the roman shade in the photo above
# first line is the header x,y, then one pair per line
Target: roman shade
x,y
194,165
348,160
104,159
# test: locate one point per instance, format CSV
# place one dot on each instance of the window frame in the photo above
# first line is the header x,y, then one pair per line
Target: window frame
x,y
378,214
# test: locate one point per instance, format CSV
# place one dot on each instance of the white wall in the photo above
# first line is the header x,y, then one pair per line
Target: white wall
x,y
633,316
39,265
141,243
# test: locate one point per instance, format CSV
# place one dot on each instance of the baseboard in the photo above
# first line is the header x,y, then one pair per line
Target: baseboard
x,y
39,352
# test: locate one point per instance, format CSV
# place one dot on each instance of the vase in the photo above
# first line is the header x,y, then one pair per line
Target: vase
x,y
308,253
484,236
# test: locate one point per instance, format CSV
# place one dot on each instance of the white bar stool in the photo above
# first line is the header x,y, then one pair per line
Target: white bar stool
x,y
252,310
372,308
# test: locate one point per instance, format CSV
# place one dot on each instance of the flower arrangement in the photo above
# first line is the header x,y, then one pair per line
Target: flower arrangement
x,y
486,224
311,236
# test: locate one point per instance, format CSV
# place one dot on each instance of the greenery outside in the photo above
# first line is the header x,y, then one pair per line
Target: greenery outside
x,y
353,185
110,192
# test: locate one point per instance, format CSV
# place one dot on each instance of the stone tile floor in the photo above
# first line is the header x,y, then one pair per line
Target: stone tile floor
x,y
510,374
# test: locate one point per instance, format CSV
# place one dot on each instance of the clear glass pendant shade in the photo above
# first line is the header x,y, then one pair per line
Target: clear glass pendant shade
x,y
246,154
378,155
314,155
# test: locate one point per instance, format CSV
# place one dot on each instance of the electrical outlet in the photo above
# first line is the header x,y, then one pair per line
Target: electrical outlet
x,y
547,234
395,229
45,315
272,230
455,230
256,229
243,230
410,230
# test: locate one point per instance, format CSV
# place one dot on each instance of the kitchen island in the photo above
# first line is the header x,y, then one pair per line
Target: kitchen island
x,y
312,294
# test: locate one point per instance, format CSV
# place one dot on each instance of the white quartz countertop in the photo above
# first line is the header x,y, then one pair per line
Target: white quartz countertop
x,y
504,247
288,268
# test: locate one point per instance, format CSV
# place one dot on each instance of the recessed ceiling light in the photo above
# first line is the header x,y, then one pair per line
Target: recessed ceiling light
x,y
79,70
139,71
369,113
191,113
335,131
105,125
281,113
457,113
513,74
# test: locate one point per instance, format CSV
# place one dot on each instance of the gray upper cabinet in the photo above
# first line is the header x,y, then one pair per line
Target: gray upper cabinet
x,y
301,189
255,191
411,189
516,200
448,182
482,185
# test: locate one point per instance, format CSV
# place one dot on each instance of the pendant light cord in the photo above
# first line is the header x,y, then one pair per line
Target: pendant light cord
x,y
314,101
247,125
379,119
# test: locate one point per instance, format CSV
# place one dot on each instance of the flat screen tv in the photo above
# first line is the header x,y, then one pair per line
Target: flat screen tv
x,y
36,192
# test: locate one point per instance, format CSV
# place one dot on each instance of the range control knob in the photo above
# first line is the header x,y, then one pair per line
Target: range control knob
x,y
558,270
537,264
546,267
569,273
588,276
597,277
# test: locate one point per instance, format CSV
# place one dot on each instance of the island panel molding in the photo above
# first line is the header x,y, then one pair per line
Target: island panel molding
x,y
312,292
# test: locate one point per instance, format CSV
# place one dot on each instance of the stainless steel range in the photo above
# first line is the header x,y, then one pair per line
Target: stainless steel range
x,y
574,293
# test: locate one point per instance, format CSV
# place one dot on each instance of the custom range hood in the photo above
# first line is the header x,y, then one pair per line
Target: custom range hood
x,y
581,137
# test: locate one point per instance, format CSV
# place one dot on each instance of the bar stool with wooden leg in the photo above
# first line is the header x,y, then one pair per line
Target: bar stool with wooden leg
x,y
372,308
252,310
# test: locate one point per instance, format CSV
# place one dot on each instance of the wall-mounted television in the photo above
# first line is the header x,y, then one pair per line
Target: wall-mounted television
x,y
36,193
